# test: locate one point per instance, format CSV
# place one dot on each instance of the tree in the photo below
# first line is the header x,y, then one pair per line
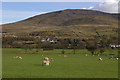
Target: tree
x,y
91,46
74,45
25,47
17,44
102,46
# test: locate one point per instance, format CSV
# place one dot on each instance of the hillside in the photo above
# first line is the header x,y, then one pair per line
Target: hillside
x,y
70,22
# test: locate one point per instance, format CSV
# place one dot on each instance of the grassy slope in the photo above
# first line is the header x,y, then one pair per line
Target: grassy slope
x,y
68,22
73,66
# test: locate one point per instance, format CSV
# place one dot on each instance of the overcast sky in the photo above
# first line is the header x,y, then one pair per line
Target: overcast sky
x,y
16,11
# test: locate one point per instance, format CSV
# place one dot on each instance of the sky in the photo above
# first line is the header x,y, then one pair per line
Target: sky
x,y
16,11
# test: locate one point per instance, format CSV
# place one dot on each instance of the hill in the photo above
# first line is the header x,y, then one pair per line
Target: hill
x,y
70,22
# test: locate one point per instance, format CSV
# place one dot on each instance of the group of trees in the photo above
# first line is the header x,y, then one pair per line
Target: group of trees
x,y
92,45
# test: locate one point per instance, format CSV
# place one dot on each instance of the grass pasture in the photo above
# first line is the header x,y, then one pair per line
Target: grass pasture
x,y
73,66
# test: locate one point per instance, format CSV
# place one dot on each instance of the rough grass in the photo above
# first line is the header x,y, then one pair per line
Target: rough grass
x,y
73,66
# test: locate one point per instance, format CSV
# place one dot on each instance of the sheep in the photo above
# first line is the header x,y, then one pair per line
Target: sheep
x,y
45,63
100,59
19,57
86,55
46,58
117,59
65,55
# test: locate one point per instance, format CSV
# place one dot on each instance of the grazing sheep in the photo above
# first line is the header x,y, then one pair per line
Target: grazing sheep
x,y
116,58
17,57
65,55
20,57
45,63
46,58
100,59
42,55
86,54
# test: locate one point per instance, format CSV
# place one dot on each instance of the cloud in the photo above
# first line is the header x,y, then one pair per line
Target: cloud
x,y
90,7
109,0
9,16
110,6
84,8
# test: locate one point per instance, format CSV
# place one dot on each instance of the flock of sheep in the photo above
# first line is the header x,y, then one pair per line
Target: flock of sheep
x,y
46,61
17,57
102,58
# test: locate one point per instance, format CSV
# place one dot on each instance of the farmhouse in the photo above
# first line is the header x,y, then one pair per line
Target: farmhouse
x,y
28,42
43,40
114,46
53,41
49,40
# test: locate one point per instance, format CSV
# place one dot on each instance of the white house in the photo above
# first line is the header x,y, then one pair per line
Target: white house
x,y
115,46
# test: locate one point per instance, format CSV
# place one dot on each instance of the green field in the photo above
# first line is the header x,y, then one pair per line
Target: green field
x,y
73,66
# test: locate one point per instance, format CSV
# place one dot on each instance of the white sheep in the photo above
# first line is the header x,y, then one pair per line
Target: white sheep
x,y
86,55
100,59
17,57
46,58
117,58
20,57
45,63
65,55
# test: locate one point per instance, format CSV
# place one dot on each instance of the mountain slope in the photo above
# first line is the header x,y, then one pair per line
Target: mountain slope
x,y
69,21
